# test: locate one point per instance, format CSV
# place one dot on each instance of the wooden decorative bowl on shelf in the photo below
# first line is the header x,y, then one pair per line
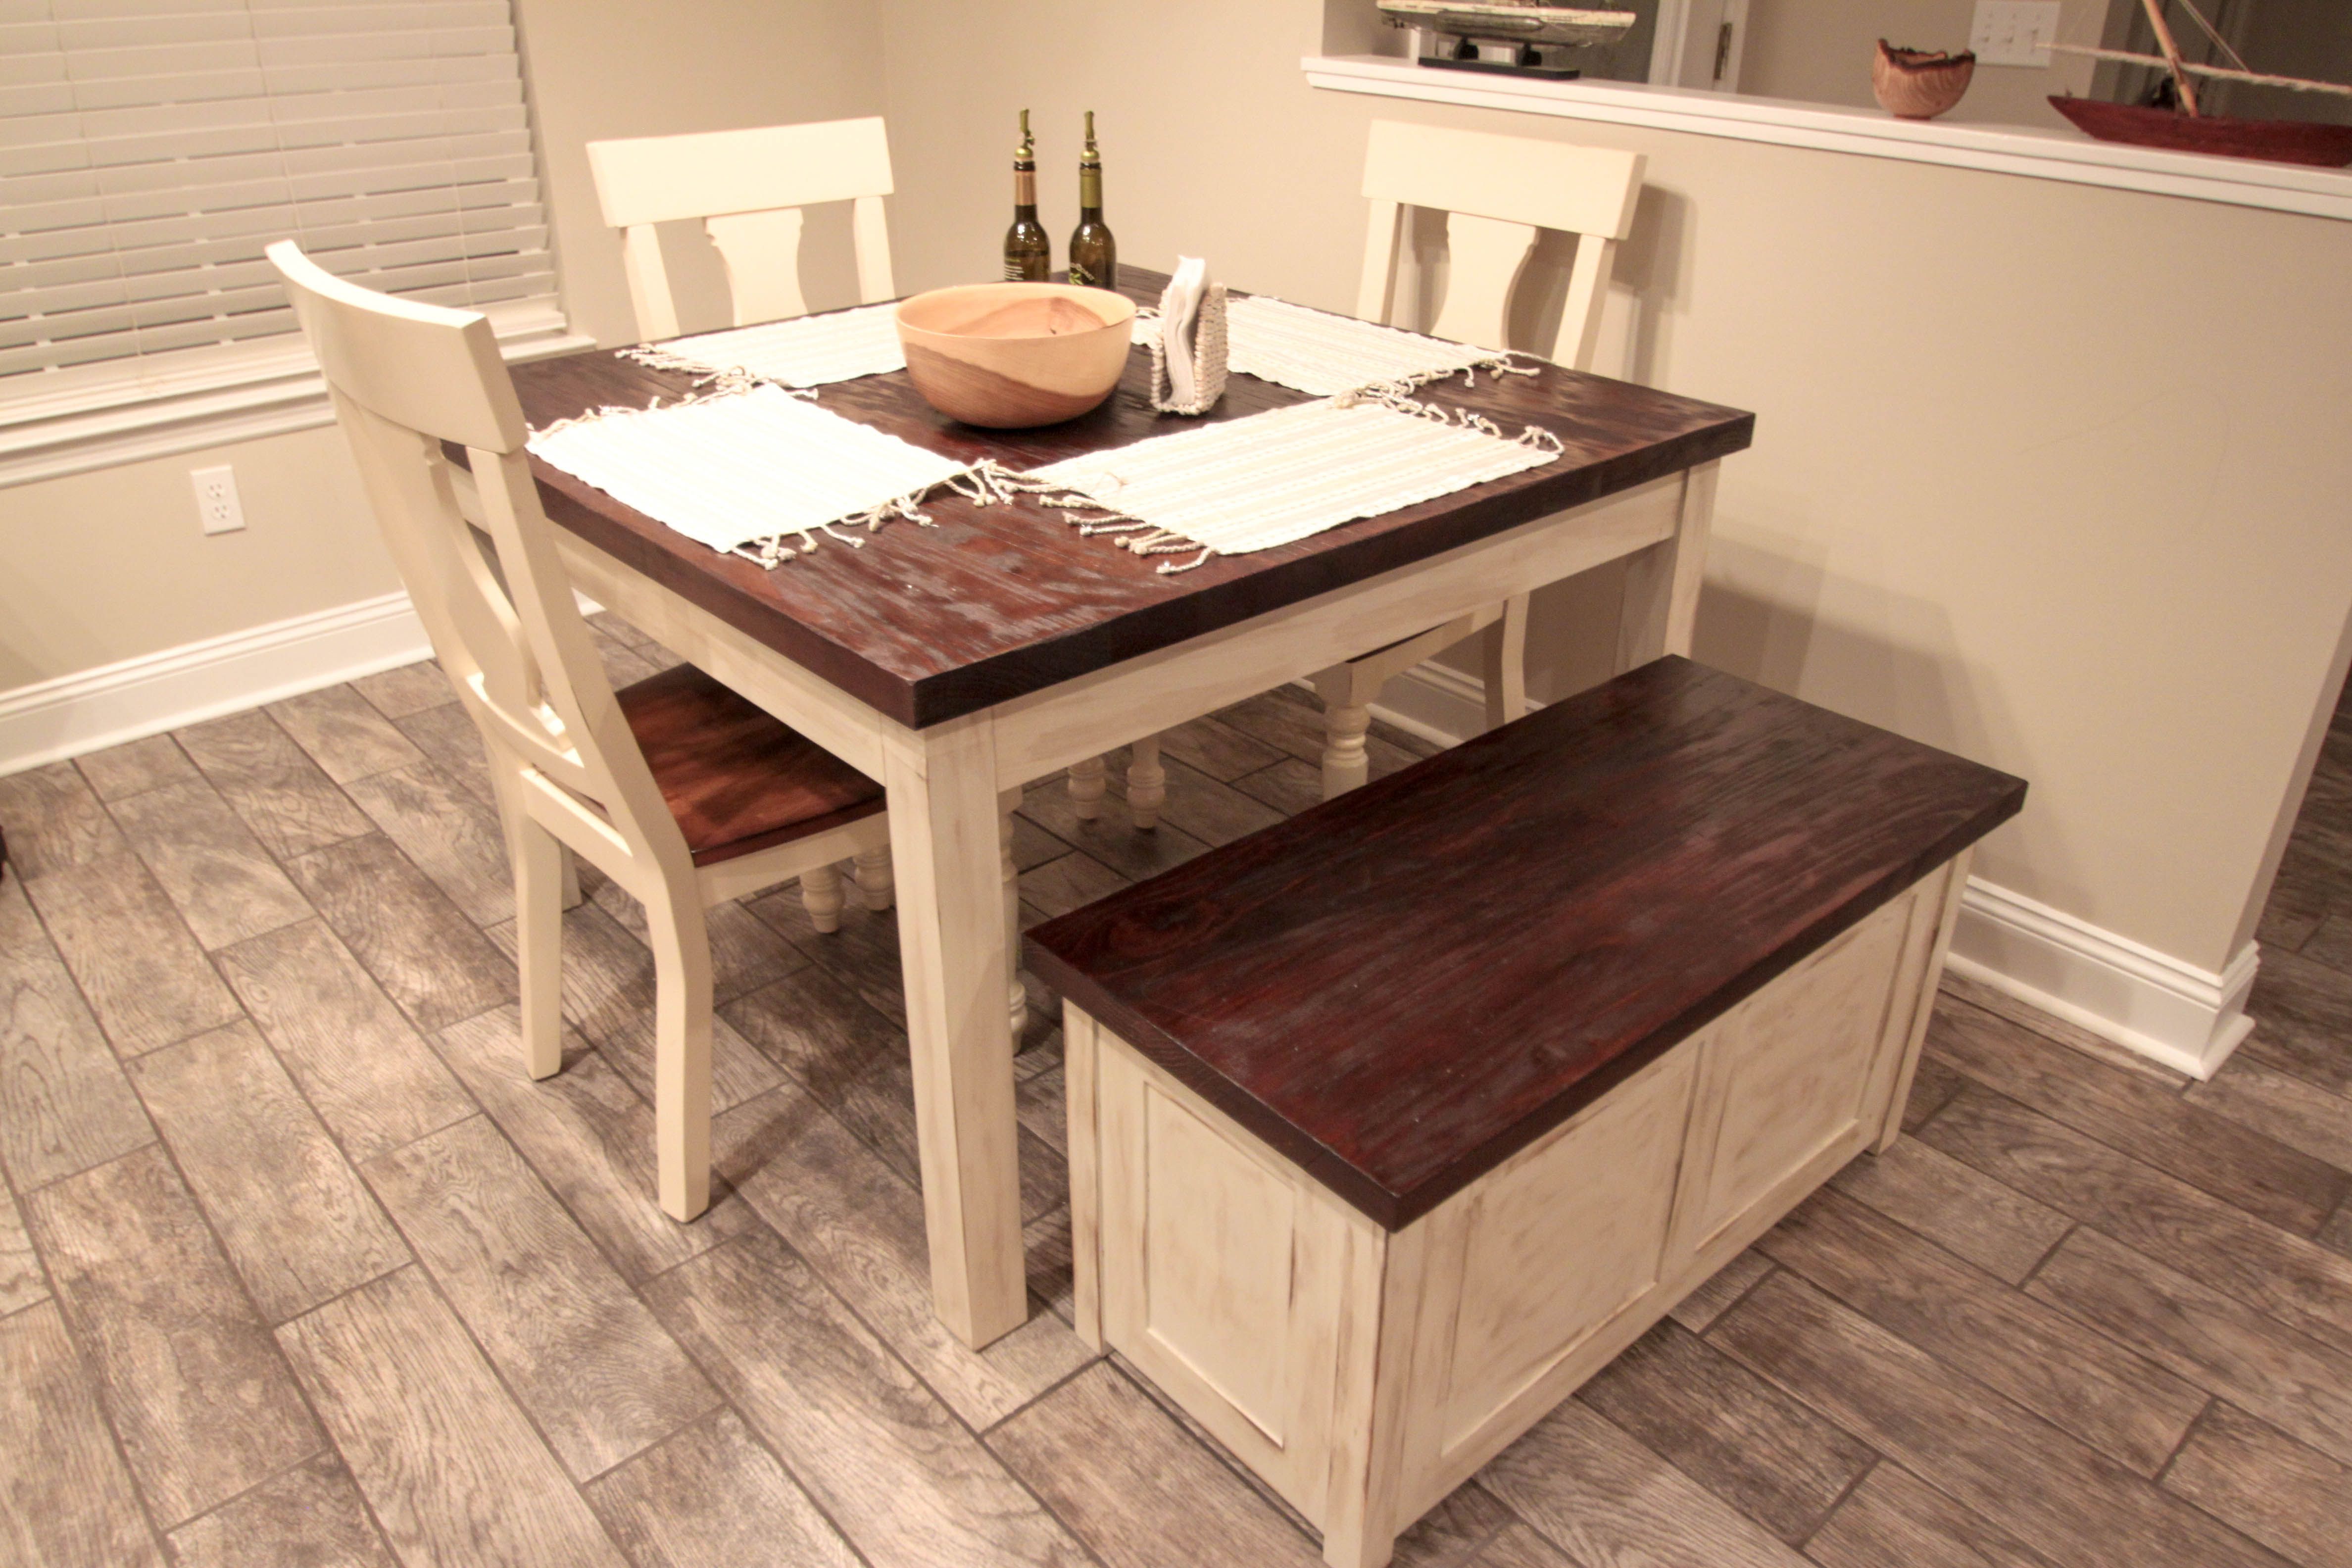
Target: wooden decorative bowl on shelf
x,y
1011,355
1918,84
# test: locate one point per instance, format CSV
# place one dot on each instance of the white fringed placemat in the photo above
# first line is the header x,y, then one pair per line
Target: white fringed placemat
x,y
1318,353
807,351
742,470
1251,484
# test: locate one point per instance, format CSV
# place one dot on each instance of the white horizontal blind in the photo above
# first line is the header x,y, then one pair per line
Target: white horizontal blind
x,y
150,149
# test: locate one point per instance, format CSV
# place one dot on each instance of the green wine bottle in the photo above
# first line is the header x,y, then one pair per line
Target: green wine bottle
x,y
1028,254
1094,254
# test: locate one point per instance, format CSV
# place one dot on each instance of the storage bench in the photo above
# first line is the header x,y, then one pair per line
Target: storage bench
x,y
1392,1123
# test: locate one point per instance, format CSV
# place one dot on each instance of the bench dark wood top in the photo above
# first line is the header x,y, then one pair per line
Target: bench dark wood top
x,y
925,625
1401,988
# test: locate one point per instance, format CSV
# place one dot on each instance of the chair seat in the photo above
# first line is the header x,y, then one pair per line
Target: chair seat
x,y
738,779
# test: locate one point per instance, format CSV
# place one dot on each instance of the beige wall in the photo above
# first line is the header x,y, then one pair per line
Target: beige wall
x,y
2015,490
1822,53
110,565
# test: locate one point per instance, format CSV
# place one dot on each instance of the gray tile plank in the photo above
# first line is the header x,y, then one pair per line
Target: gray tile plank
x,y
406,688
1112,837
2058,1495
202,1403
1714,1298
1290,786
860,1225
581,1353
608,995
22,1283
1957,988
1933,1085
297,1225
590,1138
819,1029
712,1498
214,871
2231,1161
863,952
2295,1501
344,733
2297,1281
1894,1517
434,963
310,1517
1451,1534
272,784
1582,1482
1520,1546
2302,1387
135,767
69,1503
1215,748
65,1105
450,835
2119,1402
889,1464
1730,1430
137,964
54,820
1135,1487
447,734
2289,1108
372,1080
1957,1207
2303,1015
1060,885
454,1472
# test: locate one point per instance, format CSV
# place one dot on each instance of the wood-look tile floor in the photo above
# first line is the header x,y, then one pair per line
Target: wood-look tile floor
x,y
297,1267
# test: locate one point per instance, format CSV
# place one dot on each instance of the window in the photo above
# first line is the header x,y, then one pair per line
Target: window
x,y
150,149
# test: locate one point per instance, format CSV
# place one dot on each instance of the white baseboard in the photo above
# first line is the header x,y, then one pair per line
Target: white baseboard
x,y
158,691
2149,1003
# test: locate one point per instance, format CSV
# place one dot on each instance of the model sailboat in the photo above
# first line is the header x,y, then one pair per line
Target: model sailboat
x,y
2188,128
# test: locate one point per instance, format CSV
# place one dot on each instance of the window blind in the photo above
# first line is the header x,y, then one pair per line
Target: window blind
x,y
150,149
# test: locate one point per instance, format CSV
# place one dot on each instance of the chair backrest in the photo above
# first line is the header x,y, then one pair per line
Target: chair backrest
x,y
404,378
1498,191
749,187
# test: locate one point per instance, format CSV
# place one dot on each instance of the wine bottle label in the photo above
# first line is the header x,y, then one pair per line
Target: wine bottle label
x,y
1080,275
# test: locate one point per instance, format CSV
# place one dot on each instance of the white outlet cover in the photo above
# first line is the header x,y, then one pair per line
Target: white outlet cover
x,y
217,507
2013,32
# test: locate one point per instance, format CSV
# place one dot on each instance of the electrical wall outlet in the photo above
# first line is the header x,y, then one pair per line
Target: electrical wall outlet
x,y
2013,32
217,507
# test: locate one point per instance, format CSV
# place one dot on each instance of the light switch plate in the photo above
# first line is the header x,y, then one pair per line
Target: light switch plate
x,y
2013,32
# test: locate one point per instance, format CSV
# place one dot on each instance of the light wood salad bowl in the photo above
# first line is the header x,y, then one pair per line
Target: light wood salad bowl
x,y
1011,355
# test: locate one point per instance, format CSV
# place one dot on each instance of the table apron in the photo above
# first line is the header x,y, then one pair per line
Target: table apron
x,y
1091,714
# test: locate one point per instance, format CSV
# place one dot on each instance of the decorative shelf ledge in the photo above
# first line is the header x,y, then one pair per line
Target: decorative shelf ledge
x,y
2037,154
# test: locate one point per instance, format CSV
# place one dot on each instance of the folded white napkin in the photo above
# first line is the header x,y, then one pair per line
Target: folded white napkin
x,y
1180,312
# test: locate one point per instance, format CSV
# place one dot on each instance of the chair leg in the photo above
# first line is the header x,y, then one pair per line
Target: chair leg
x,y
681,945
573,896
540,865
821,896
874,886
1016,995
1505,657
1146,783
1087,788
1344,765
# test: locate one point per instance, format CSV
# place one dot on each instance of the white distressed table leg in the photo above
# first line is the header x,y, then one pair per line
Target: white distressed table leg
x,y
1016,996
944,827
1146,783
1087,788
1662,582
821,896
1504,651
874,883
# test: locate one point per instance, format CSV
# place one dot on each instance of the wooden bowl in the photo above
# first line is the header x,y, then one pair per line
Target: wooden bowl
x,y
1918,84
1011,355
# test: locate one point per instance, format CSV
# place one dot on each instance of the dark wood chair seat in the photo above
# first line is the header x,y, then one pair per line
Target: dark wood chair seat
x,y
1401,987
738,779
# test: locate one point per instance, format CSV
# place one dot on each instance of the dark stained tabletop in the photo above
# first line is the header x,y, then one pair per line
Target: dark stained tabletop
x,y
1401,988
926,623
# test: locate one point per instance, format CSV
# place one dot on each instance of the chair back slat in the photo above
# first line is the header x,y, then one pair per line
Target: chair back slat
x,y
1498,192
500,613
748,187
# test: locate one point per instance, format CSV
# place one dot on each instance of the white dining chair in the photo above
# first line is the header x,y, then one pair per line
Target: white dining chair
x,y
1497,193
678,788
748,187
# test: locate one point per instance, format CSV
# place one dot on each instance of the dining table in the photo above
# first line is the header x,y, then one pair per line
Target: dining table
x,y
958,660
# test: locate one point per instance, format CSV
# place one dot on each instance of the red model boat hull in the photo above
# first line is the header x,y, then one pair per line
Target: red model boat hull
x,y
2280,140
